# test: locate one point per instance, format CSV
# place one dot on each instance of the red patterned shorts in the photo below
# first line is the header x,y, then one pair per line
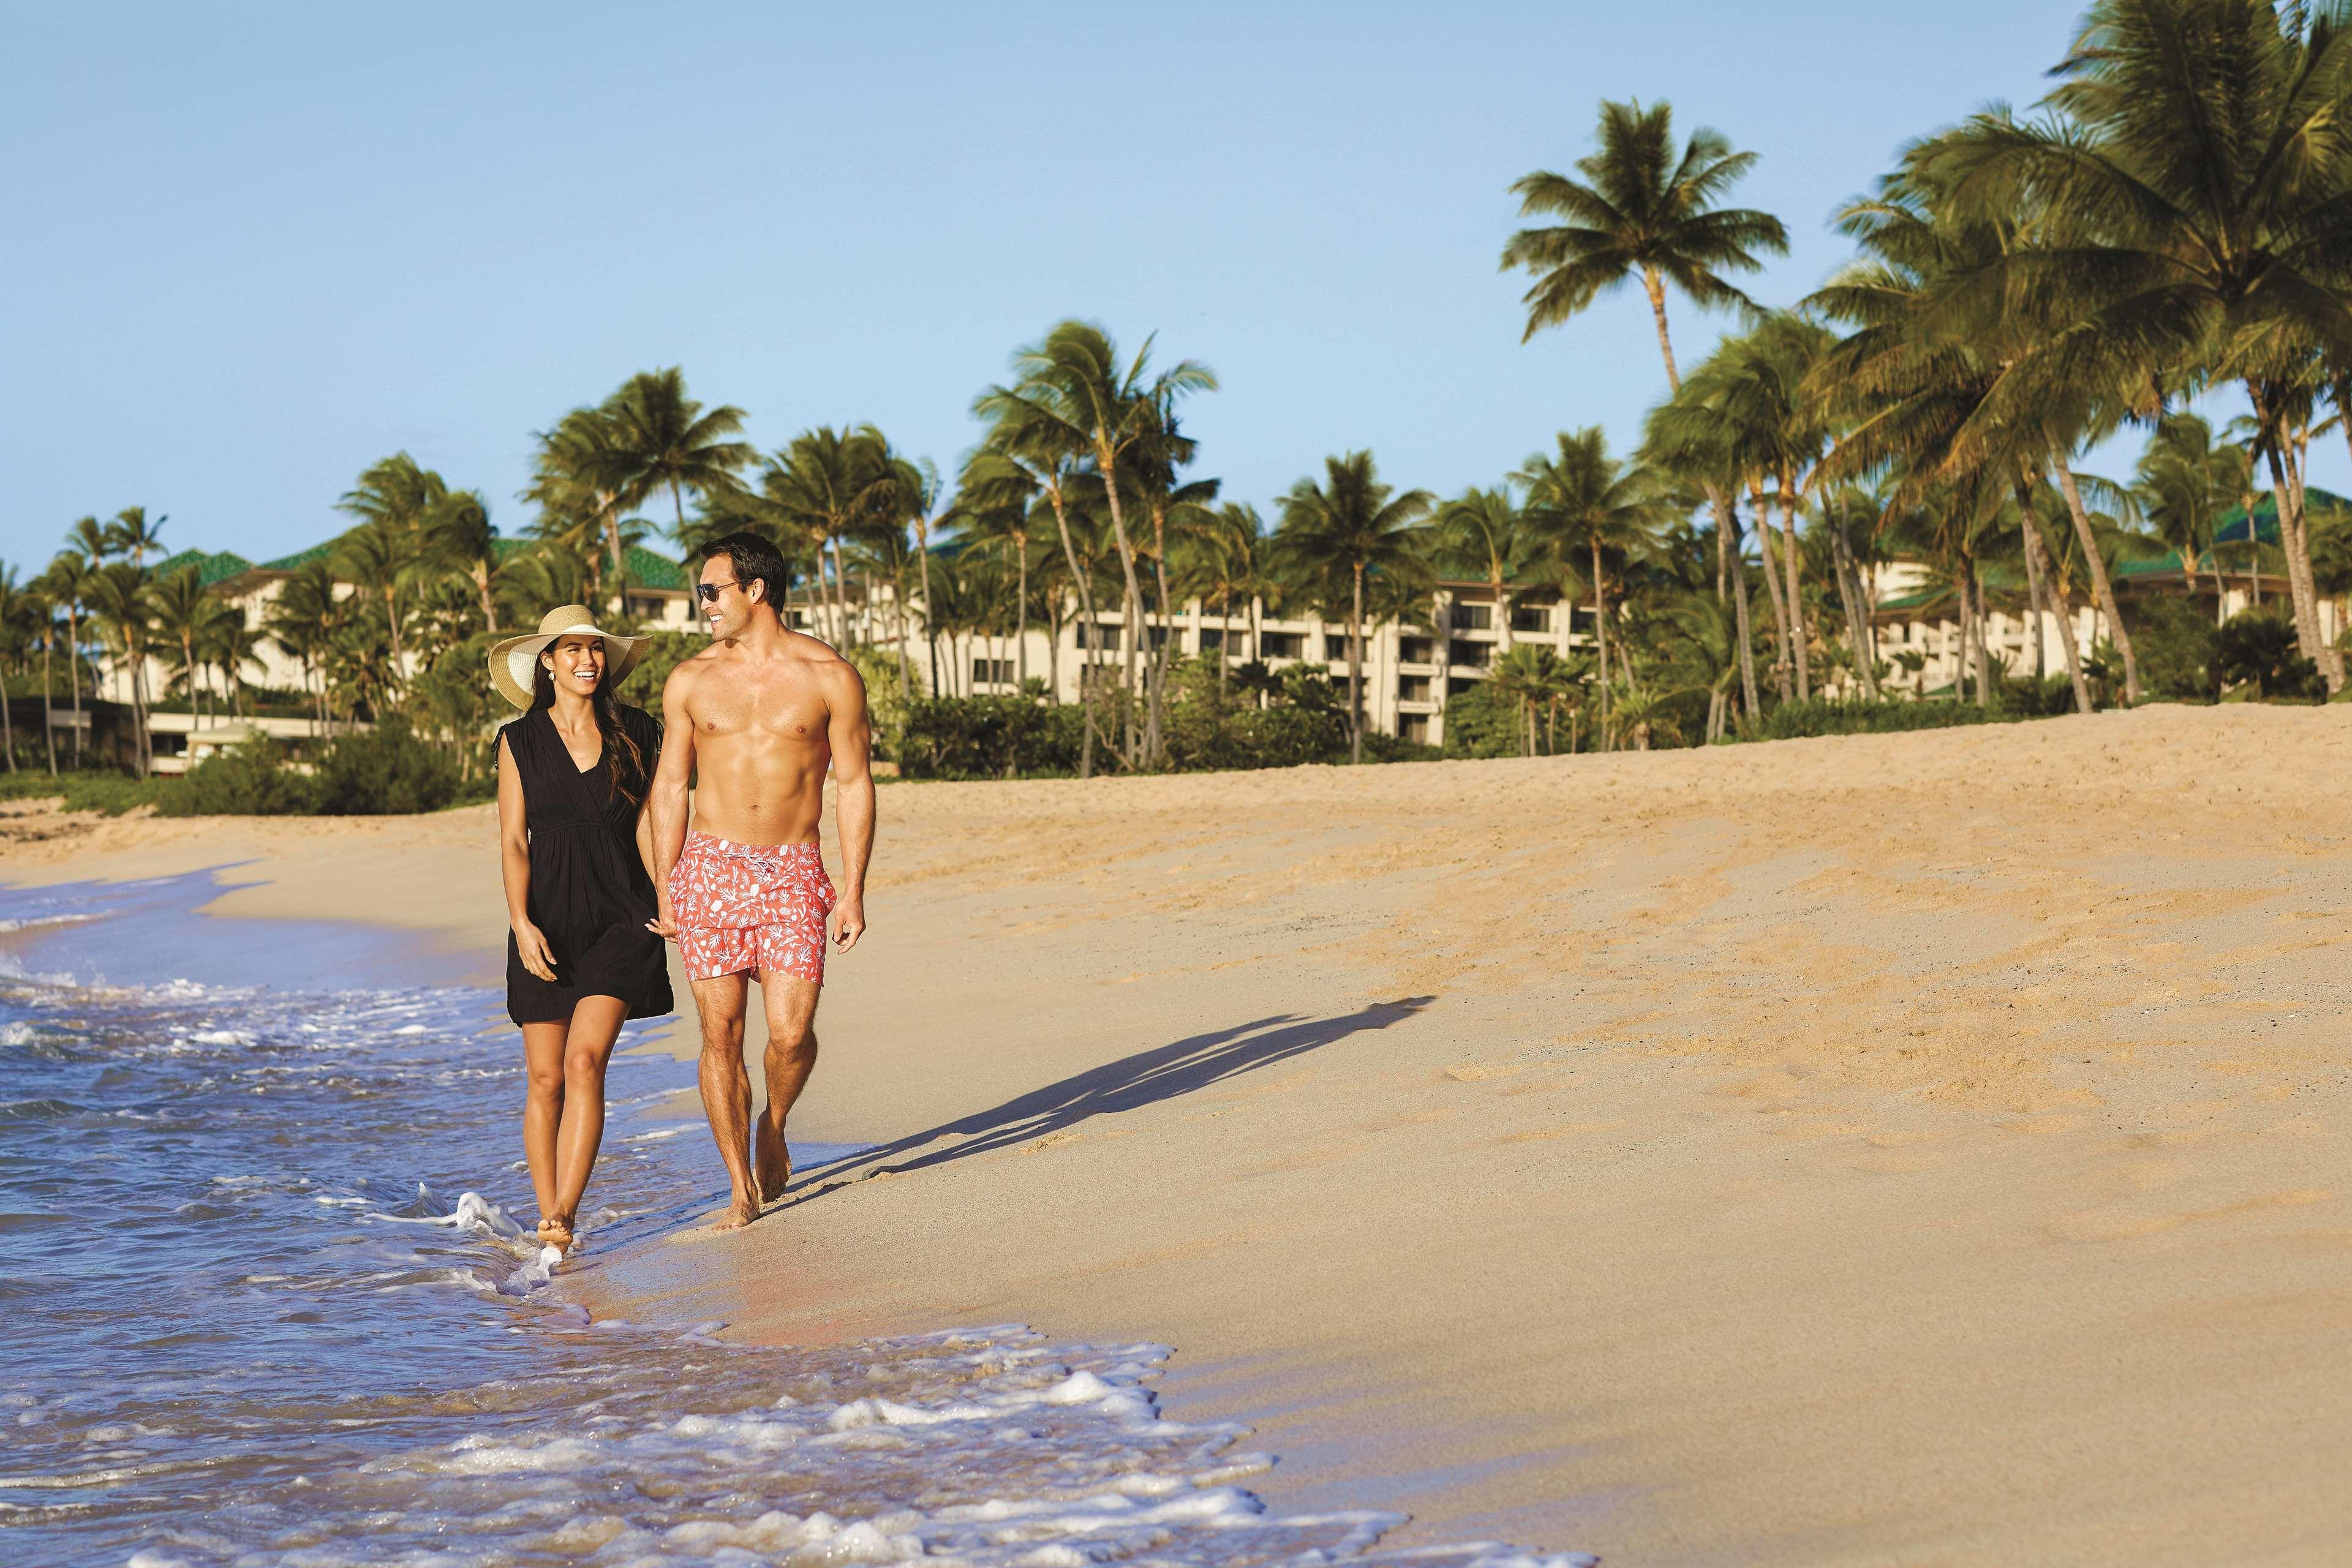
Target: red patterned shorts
x,y
750,906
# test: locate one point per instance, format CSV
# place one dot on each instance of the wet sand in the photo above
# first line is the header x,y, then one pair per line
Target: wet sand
x,y
1892,1150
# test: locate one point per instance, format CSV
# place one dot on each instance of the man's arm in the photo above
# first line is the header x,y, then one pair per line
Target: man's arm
x,y
853,777
666,798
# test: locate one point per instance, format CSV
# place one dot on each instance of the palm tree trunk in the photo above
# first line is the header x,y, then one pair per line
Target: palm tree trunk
x,y
1857,624
1983,637
1020,613
1783,664
1655,287
1154,744
1356,666
1130,632
490,604
1797,628
1086,608
2037,559
48,699
2097,566
1502,617
1601,636
73,674
1733,565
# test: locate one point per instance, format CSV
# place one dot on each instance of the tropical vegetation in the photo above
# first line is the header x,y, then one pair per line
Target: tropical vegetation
x,y
2029,295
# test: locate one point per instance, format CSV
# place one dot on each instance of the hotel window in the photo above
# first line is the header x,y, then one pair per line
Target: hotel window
x,y
1457,685
1531,618
1413,727
1100,637
1280,645
1472,617
1478,655
1413,689
1416,651
991,672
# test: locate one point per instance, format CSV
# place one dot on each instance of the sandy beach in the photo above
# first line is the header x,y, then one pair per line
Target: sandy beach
x,y
1907,1150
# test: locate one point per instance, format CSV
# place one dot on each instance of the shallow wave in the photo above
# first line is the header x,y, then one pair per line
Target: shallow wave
x,y
253,1335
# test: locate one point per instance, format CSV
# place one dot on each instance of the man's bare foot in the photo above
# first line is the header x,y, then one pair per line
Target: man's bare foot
x,y
740,1213
773,1166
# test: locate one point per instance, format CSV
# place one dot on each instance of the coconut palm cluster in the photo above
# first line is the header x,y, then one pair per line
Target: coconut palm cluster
x,y
2169,227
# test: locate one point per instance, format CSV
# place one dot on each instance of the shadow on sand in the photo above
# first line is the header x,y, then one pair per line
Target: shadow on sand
x,y
1144,1078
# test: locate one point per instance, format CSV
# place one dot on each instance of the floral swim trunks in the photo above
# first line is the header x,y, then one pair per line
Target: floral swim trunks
x,y
750,906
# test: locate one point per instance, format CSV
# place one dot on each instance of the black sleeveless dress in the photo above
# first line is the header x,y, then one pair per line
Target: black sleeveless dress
x,y
590,892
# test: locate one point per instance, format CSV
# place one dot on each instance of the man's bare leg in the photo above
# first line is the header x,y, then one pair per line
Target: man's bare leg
x,y
727,1090
791,1056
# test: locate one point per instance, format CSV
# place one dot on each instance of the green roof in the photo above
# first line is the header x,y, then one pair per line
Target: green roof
x,y
301,558
214,567
647,568
2231,528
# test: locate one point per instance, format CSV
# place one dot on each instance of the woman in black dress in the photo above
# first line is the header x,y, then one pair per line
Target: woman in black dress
x,y
576,850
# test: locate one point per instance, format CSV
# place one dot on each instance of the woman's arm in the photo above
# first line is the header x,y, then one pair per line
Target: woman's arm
x,y
514,868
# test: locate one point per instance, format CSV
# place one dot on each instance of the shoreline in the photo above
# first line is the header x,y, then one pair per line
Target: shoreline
x,y
1860,1149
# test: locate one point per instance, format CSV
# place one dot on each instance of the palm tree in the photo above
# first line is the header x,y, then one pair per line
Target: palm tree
x,y
830,484
1074,383
1048,450
2182,485
182,606
131,534
1353,526
1920,381
119,595
458,537
1484,534
67,581
302,622
1642,211
577,480
660,438
1584,501
15,605
993,502
378,558
2195,162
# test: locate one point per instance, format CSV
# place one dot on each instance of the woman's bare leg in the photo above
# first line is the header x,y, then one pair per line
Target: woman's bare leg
x,y
543,1109
595,1023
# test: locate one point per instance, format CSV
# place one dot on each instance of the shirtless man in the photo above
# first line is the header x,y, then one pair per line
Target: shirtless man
x,y
759,715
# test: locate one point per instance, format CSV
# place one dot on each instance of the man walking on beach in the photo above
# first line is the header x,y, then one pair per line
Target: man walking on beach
x,y
754,720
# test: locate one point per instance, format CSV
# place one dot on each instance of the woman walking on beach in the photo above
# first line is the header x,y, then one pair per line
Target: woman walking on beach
x,y
574,846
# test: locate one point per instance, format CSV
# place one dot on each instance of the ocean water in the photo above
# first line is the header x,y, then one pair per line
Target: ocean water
x,y
264,1300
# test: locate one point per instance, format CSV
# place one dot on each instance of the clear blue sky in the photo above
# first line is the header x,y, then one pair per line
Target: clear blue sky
x,y
252,248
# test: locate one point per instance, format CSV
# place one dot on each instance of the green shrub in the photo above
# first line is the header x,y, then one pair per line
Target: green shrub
x,y
90,790
251,780
1483,721
2258,650
1827,716
385,771
2177,648
988,737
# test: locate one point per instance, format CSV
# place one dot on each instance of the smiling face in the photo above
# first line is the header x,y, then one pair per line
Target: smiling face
x,y
726,603
576,663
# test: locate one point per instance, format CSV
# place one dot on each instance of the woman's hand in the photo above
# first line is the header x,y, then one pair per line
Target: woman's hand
x,y
532,944
665,922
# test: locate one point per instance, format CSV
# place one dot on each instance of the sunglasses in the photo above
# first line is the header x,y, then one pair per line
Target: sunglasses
x,y
709,592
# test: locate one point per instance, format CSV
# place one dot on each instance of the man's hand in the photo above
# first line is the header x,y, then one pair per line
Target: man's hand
x,y
665,922
531,944
848,922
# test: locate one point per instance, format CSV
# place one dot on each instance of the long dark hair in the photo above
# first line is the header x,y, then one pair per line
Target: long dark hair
x,y
624,764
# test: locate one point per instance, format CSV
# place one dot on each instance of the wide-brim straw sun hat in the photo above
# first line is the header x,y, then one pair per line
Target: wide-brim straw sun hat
x,y
514,663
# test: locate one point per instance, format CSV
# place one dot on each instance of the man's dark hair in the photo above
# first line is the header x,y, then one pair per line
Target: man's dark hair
x,y
755,559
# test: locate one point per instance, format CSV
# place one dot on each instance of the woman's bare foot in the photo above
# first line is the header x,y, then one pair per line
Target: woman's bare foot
x,y
740,1213
555,1231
